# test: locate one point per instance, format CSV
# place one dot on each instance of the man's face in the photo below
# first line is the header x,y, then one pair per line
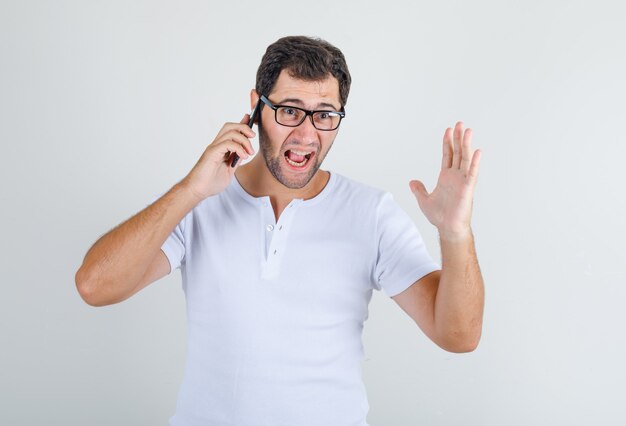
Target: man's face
x,y
294,154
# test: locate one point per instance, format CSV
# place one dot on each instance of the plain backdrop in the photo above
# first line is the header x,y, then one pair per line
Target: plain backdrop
x,y
105,104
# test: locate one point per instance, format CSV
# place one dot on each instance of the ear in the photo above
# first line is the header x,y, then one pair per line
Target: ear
x,y
254,98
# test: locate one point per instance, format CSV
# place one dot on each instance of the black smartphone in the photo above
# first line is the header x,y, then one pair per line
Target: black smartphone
x,y
253,115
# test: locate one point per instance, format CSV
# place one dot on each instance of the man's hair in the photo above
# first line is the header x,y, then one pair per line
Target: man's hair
x,y
305,58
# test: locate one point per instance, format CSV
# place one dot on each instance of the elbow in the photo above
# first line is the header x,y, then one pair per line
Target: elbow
x,y
462,347
88,288
460,342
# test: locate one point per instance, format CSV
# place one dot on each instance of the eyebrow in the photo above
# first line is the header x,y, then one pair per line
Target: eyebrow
x,y
299,102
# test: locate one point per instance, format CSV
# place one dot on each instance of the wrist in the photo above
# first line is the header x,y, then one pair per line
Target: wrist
x,y
455,235
187,191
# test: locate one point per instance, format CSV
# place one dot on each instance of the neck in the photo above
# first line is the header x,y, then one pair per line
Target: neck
x,y
258,181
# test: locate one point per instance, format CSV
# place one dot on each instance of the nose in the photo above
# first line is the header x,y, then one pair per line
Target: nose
x,y
306,132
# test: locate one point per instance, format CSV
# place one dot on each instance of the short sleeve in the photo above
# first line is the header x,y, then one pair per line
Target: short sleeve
x,y
174,245
402,255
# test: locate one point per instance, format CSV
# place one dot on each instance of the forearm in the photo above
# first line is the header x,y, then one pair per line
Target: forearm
x,y
115,264
460,297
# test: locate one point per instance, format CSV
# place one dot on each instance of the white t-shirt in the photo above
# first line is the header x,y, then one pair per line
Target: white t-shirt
x,y
276,309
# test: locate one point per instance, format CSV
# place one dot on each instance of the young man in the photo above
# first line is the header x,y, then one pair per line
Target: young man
x,y
279,258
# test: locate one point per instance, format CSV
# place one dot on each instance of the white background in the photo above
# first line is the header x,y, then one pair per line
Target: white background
x,y
105,104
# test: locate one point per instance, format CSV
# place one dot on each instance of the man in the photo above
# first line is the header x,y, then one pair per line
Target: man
x,y
279,258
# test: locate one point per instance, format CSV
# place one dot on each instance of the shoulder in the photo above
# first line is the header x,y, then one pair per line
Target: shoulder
x,y
350,190
363,200
231,202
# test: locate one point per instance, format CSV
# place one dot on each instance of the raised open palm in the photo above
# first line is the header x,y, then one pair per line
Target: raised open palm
x,y
449,205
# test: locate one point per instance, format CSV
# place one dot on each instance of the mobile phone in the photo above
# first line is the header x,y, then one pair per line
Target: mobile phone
x,y
253,115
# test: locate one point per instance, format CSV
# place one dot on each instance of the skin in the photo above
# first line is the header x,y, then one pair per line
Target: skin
x,y
269,174
447,305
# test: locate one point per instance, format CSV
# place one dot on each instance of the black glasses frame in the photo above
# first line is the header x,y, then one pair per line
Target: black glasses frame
x,y
340,114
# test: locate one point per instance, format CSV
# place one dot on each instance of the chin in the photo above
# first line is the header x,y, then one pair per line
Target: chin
x,y
292,179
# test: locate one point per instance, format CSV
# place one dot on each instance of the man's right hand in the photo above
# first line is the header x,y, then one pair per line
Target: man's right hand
x,y
213,172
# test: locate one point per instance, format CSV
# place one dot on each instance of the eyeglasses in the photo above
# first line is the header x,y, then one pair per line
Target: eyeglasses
x,y
291,116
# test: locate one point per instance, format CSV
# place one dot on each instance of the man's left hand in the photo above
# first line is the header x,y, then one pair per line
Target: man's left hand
x,y
449,205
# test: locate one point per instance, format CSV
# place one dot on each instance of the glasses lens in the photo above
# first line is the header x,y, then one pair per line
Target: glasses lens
x,y
326,120
289,116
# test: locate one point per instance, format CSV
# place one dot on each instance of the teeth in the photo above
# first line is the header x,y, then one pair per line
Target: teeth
x,y
305,154
293,163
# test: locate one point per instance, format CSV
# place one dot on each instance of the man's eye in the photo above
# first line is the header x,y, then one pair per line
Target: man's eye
x,y
324,115
289,111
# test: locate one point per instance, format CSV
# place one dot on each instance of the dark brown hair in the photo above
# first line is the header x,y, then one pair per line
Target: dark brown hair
x,y
305,58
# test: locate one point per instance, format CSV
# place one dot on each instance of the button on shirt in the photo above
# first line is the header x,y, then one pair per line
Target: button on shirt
x,y
276,308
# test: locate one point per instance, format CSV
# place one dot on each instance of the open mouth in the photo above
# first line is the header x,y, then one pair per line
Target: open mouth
x,y
298,159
